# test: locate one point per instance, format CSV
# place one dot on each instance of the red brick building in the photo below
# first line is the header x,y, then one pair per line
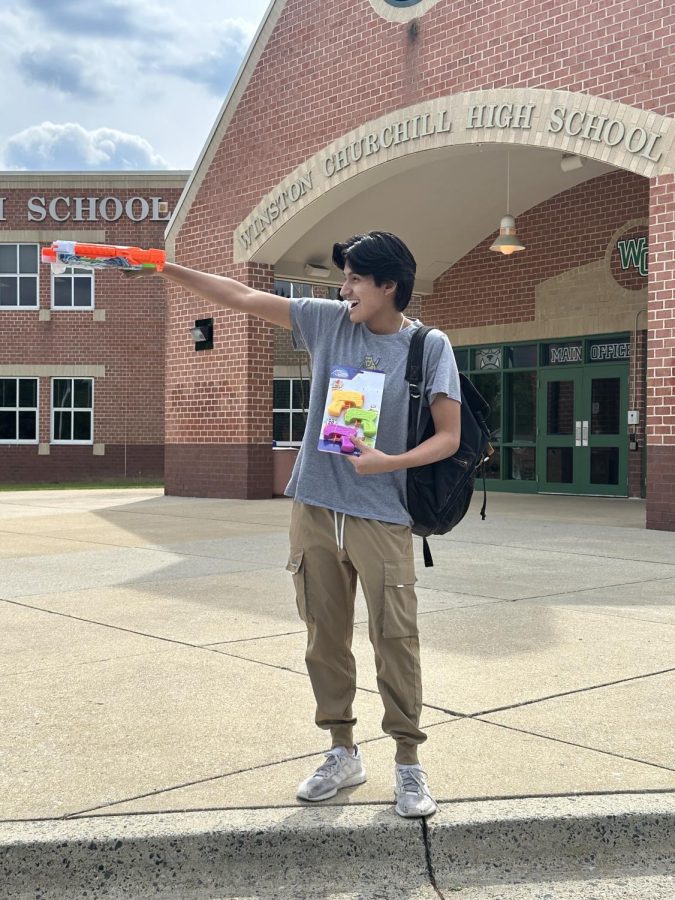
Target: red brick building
x,y
434,119
426,118
81,355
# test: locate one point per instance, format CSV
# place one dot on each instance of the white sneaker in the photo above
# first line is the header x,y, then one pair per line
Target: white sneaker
x,y
341,770
413,798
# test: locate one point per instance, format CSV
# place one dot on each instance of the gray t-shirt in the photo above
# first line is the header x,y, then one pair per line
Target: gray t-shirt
x,y
324,479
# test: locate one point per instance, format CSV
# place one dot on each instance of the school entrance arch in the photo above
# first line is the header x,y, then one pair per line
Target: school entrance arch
x,y
436,173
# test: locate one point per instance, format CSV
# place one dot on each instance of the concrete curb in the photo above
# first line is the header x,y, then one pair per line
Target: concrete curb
x,y
554,839
299,852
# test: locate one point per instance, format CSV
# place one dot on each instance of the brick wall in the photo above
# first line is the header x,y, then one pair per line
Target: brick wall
x,y
284,352
219,402
347,65
130,343
329,66
661,357
567,232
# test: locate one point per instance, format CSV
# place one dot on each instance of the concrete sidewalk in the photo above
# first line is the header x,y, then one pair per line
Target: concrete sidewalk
x,y
154,687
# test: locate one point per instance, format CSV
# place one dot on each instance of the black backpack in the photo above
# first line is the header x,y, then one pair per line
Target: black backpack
x,y
439,494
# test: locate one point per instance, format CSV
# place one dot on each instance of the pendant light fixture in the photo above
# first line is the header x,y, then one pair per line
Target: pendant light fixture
x,y
507,242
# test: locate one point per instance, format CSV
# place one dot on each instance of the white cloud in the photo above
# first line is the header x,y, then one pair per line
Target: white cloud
x,y
214,68
70,146
106,19
159,69
67,72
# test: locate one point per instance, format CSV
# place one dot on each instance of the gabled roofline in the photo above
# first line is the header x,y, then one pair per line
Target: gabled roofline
x,y
223,119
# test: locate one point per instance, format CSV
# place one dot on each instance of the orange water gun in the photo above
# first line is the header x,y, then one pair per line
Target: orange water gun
x,y
101,256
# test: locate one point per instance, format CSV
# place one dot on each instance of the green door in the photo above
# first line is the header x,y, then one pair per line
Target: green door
x,y
605,430
559,403
581,430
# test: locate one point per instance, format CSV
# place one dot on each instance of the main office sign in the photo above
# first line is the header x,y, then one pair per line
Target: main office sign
x,y
636,140
61,208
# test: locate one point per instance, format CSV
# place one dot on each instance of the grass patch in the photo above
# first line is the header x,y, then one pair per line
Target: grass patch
x,y
82,485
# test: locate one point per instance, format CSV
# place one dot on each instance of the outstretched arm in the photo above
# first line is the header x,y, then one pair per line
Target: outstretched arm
x,y
231,294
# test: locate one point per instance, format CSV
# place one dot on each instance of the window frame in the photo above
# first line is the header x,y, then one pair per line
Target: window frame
x,y
281,284
18,275
71,409
85,273
290,410
18,408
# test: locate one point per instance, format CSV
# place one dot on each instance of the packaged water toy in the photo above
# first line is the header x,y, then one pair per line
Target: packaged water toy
x,y
62,254
352,409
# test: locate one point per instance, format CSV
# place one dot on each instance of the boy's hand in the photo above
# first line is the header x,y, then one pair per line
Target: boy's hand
x,y
371,461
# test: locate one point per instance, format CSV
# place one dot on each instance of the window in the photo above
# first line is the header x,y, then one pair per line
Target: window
x,y
521,391
563,354
291,398
74,289
18,410
490,386
295,289
522,356
506,376
461,358
488,358
72,410
19,275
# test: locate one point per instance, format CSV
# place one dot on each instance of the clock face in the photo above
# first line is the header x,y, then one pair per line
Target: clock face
x,y
402,2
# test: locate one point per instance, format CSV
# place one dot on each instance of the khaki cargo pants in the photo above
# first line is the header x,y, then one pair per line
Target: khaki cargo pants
x,y
328,551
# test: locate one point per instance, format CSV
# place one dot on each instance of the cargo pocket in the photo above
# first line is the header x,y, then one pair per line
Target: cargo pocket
x,y
296,568
400,601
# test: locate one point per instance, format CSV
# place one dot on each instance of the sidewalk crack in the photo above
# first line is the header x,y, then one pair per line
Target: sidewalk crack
x,y
427,853
581,690
559,740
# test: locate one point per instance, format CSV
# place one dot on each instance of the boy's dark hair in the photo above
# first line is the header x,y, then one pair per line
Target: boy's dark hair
x,y
382,255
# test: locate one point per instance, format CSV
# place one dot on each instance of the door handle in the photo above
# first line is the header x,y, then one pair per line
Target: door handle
x,y
578,434
584,434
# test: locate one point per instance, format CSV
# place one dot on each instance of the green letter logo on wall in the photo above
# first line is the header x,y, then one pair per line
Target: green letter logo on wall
x,y
633,253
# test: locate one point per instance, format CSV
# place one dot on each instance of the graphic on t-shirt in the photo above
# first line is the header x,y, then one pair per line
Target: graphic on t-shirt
x,y
371,362
352,409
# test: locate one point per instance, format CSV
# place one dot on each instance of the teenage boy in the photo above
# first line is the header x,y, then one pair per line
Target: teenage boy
x,y
349,516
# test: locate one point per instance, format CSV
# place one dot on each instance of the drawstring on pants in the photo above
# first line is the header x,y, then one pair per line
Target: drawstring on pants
x,y
339,535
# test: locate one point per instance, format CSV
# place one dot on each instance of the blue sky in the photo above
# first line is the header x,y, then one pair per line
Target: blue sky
x,y
115,84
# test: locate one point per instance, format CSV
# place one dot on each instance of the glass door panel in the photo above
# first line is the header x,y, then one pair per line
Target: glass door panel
x,y
604,406
560,465
559,432
560,407
605,465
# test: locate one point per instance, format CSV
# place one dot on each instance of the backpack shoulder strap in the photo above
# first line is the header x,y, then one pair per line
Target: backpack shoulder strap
x,y
414,373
